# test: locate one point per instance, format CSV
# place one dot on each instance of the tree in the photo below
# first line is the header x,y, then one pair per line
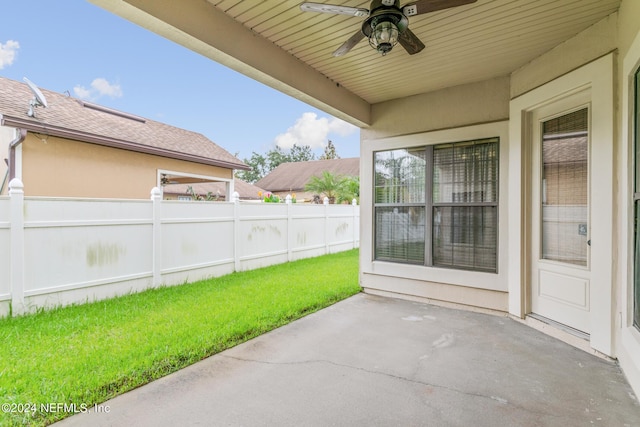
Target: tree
x,y
349,190
259,168
330,185
261,165
329,152
301,153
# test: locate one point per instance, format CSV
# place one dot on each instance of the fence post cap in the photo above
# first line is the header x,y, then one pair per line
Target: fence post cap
x,y
236,197
16,185
287,199
354,202
326,201
156,193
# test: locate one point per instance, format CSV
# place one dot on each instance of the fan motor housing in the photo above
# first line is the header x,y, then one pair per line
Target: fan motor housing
x,y
380,13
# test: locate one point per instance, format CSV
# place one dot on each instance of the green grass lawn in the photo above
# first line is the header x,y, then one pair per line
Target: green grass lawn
x,y
86,354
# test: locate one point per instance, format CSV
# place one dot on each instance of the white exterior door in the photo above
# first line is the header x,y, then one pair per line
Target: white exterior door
x,y
560,212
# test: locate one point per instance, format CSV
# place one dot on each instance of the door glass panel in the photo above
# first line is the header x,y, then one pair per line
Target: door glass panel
x,y
636,282
564,191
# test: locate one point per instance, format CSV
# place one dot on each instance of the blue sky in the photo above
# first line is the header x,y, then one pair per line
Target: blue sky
x,y
75,46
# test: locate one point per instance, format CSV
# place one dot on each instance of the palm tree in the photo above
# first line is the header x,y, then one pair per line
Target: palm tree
x,y
349,190
328,185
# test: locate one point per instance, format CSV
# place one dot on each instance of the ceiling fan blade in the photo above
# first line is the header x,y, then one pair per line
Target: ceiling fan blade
x,y
332,8
410,42
349,44
426,6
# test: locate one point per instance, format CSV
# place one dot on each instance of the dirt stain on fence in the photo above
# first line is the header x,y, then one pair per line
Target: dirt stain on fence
x,y
102,254
342,228
302,238
257,229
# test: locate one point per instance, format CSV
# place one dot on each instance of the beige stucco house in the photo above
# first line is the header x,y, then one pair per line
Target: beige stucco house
x,y
499,165
73,148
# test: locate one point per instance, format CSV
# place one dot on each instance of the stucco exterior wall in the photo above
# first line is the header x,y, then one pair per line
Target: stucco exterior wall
x,y
596,41
481,102
628,25
65,168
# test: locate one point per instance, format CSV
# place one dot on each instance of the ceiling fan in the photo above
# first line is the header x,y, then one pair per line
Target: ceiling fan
x,y
386,22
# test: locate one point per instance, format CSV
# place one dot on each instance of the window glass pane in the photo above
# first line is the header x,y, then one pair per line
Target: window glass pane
x,y
400,176
465,172
578,121
465,237
565,183
400,234
465,211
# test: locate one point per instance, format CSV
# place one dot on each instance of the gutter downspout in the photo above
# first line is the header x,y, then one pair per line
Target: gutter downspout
x,y
11,170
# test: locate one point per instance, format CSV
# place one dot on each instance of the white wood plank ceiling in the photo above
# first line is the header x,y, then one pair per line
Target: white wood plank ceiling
x,y
464,44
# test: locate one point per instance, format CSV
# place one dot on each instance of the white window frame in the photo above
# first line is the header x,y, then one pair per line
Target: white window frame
x,y
418,273
429,206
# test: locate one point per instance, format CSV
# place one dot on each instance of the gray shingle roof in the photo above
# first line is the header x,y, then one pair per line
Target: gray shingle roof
x,y
294,176
70,117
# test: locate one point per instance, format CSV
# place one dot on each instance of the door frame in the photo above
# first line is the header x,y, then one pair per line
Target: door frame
x,y
596,79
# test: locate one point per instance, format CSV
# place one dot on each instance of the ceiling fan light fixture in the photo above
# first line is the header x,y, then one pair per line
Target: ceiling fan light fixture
x,y
387,23
384,36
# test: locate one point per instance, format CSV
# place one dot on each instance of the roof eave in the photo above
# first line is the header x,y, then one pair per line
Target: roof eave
x,y
77,135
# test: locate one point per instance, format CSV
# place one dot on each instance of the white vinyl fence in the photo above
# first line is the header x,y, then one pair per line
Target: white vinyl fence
x,y
58,251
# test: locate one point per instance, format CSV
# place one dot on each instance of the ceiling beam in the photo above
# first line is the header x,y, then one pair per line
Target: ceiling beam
x,y
203,28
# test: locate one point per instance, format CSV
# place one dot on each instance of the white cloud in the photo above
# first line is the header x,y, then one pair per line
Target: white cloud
x,y
99,87
341,127
8,52
82,92
313,131
105,88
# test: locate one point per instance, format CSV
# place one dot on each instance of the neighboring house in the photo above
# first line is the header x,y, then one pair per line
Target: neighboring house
x,y
461,185
290,178
246,191
74,148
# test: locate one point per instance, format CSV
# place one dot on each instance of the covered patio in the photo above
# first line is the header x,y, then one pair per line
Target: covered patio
x,y
456,169
379,361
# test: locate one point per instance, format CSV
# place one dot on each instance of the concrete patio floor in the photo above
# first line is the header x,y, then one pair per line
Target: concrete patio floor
x,y
378,361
